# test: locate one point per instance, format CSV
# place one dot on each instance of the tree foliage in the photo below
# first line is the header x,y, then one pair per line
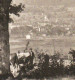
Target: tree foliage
x,y
12,9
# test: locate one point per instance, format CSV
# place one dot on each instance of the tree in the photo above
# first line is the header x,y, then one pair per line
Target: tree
x,y
72,52
5,9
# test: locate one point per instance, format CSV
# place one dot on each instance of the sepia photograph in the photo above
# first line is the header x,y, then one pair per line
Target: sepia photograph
x,y
37,39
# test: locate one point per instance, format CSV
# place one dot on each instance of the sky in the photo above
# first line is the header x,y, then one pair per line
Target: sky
x,y
47,2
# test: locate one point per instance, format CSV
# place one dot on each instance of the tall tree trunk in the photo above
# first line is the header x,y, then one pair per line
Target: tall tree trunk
x,y
4,37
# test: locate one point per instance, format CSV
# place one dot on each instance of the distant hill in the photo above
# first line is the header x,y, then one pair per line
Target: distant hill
x,y
46,30
48,20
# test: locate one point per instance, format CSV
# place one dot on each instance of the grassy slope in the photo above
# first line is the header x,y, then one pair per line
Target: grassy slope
x,y
62,44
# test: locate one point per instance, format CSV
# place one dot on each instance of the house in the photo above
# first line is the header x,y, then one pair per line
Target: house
x,y
28,36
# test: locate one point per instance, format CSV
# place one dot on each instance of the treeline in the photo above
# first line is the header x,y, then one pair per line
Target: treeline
x,y
47,66
40,65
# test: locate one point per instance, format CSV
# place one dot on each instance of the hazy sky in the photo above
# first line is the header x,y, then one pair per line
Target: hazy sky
x,y
47,2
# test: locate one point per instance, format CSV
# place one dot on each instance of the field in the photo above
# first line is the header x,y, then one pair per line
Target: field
x,y
49,45
60,78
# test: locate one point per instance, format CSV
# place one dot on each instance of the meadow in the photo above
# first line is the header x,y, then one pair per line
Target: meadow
x,y
49,45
